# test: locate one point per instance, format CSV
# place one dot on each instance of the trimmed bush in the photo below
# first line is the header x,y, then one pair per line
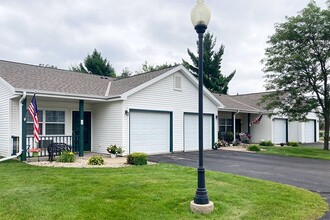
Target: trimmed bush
x,y
266,143
96,160
253,148
293,144
66,157
137,159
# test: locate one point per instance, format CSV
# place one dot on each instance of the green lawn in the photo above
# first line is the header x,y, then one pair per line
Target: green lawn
x,y
307,152
147,192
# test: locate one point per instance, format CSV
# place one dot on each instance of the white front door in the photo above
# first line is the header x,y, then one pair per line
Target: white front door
x,y
149,132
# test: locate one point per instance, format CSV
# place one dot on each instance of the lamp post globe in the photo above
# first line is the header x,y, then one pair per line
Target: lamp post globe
x,y
200,17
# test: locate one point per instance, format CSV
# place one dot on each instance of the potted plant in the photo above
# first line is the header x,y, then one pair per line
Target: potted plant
x,y
35,152
120,151
113,150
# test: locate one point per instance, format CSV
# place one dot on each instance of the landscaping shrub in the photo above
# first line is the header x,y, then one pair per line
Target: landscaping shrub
x,y
293,144
66,157
96,160
253,148
137,159
266,143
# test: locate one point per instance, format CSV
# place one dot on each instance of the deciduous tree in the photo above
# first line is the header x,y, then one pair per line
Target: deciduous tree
x,y
297,64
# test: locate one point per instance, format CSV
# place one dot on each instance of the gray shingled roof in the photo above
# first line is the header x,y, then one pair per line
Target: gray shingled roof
x,y
31,77
120,86
246,102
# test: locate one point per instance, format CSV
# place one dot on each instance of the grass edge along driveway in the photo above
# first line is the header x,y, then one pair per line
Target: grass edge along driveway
x,y
160,191
305,152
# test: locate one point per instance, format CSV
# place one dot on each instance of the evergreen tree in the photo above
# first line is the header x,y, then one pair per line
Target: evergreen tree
x,y
212,77
95,64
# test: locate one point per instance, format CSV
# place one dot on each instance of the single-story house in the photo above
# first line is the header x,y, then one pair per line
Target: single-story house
x,y
241,111
155,112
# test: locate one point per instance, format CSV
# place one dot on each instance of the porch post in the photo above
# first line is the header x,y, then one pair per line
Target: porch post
x,y
81,130
23,131
233,116
249,121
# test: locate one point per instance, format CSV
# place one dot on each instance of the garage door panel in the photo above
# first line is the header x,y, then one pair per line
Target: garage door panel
x,y
149,132
191,132
279,131
310,131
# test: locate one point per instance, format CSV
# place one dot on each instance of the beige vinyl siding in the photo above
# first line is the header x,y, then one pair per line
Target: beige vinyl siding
x,y
162,96
5,138
107,126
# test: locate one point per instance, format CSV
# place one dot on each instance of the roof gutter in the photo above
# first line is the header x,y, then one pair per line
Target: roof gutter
x,y
20,128
67,96
243,111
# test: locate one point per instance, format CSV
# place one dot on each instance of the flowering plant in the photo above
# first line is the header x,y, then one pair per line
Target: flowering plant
x,y
245,137
112,149
120,150
35,150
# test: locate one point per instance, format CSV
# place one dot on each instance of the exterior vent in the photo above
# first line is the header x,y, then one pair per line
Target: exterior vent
x,y
177,83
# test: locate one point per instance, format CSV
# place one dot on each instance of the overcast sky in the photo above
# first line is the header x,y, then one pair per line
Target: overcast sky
x,y
129,32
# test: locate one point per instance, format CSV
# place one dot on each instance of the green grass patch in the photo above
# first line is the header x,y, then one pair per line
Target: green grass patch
x,y
306,152
144,192
253,148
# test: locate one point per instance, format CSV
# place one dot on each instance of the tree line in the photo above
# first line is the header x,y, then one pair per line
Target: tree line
x,y
214,80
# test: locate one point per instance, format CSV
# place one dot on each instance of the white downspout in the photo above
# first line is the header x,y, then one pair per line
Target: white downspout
x,y
234,125
20,129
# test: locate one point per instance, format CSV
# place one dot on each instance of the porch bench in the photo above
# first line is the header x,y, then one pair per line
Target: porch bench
x,y
57,148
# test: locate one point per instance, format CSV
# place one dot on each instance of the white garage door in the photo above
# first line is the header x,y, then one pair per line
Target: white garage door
x,y
191,132
149,132
309,131
279,131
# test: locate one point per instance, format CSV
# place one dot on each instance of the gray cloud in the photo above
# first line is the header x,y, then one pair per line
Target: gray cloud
x,y
128,32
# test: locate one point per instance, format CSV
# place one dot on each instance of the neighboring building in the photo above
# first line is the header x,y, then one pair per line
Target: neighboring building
x,y
241,110
153,112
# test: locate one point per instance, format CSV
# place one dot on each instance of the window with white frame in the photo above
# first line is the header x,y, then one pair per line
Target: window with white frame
x,y
29,122
55,122
50,122
225,125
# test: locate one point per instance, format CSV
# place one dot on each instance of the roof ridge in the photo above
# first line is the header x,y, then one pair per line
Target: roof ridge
x,y
140,74
34,65
253,93
228,96
55,69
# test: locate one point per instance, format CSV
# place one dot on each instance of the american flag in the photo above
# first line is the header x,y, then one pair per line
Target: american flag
x,y
256,120
33,109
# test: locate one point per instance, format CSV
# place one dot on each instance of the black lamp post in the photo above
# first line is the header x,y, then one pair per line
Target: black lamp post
x,y
200,17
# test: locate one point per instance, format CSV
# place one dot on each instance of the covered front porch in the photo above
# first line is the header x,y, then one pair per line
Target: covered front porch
x,y
234,123
61,120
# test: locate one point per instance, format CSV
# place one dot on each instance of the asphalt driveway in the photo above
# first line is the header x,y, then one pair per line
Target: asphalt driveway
x,y
311,174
